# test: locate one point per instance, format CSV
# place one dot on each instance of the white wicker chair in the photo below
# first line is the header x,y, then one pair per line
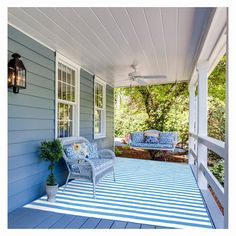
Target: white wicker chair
x,y
91,169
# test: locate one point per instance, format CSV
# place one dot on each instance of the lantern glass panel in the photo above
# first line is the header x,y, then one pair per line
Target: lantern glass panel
x,y
20,79
11,76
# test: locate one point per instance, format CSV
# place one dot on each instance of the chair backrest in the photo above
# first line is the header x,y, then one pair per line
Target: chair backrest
x,y
72,140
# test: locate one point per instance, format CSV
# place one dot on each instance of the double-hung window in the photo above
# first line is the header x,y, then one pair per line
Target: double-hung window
x,y
99,108
67,98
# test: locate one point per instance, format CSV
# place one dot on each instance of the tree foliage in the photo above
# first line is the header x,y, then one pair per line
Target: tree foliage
x,y
161,107
166,108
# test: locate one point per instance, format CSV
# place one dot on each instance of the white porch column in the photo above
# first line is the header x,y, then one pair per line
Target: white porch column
x,y
192,89
202,69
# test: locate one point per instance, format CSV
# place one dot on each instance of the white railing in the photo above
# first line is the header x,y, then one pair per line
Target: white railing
x,y
218,147
194,155
214,145
214,183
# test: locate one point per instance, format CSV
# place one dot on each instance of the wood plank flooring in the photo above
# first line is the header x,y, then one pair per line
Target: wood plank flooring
x,y
26,218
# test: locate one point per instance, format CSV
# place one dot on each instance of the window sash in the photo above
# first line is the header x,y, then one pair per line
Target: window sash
x,y
99,113
65,119
66,83
67,98
99,109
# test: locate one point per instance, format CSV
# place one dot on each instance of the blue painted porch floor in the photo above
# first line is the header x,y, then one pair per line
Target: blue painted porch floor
x,y
146,194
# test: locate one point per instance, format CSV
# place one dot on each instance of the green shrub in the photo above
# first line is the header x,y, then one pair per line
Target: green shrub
x,y
51,151
218,171
117,151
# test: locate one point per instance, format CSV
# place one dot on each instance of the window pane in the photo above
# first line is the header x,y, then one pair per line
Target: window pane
x,y
99,95
73,94
63,91
99,89
68,75
59,71
68,92
98,121
59,90
73,77
63,73
65,120
99,102
60,129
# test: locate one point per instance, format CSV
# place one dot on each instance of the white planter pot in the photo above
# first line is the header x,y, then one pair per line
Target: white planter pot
x,y
51,192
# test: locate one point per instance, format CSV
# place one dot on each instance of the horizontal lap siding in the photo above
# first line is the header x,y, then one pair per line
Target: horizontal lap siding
x,y
87,111
31,119
86,105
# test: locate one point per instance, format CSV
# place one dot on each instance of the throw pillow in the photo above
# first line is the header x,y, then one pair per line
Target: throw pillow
x,y
166,137
151,139
76,150
93,151
70,152
137,137
153,133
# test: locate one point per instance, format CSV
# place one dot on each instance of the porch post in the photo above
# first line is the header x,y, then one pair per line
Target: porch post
x,y
202,69
192,89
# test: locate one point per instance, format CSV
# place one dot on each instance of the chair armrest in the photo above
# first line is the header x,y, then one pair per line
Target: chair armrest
x,y
106,154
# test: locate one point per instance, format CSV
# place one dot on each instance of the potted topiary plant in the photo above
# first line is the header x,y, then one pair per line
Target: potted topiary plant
x,y
51,151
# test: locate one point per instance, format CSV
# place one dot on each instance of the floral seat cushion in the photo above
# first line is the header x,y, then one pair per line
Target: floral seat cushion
x,y
101,164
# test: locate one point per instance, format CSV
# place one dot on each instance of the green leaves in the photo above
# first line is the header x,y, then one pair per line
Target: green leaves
x,y
51,180
218,171
51,151
166,107
152,107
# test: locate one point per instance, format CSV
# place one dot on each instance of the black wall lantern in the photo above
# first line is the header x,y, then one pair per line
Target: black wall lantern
x,y
16,73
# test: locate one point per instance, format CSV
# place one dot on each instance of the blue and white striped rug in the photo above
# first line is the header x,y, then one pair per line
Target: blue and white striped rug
x,y
146,192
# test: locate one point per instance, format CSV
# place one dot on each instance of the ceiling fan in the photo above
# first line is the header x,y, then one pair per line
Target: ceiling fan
x,y
135,76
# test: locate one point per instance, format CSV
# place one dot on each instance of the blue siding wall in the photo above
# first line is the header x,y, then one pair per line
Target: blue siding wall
x,y
31,120
87,111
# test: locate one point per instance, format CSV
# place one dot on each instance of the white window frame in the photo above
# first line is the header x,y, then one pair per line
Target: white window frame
x,y
103,122
76,114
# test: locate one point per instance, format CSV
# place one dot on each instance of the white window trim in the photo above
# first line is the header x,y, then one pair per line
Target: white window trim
x,y
103,83
76,118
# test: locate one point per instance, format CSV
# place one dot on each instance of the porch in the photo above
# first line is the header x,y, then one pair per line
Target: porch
x,y
146,194
97,47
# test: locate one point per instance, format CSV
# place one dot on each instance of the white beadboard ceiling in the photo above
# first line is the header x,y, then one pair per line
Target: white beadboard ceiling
x,y
106,41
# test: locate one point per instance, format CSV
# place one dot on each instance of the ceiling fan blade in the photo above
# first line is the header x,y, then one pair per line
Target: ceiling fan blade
x,y
140,81
151,76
